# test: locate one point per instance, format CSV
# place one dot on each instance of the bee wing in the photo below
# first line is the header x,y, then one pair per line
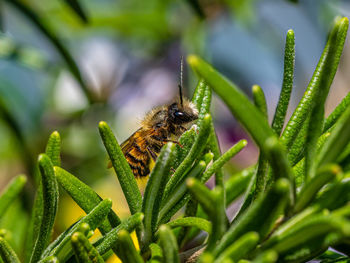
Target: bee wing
x,y
126,146
129,142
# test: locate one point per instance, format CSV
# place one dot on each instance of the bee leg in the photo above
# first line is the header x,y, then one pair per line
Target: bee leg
x,y
152,153
183,129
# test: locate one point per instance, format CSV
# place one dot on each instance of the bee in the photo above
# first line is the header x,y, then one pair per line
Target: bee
x,y
163,124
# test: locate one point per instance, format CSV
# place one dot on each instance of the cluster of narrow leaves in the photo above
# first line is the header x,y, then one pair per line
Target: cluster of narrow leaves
x,y
295,203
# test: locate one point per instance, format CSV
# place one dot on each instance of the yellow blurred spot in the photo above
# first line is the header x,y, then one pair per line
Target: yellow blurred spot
x,y
115,259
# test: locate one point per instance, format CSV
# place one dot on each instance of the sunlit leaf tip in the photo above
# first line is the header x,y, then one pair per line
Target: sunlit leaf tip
x,y
256,88
102,124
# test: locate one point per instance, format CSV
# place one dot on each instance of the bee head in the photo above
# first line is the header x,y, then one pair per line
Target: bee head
x,y
182,113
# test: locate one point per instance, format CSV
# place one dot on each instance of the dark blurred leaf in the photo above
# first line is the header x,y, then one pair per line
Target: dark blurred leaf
x,y
78,9
12,191
40,24
195,4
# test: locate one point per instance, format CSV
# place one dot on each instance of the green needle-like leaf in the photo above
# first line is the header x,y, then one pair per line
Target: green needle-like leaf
x,y
11,192
83,249
50,202
198,93
260,217
217,164
261,176
287,85
84,196
334,49
200,223
337,112
207,257
156,253
343,211
81,254
61,248
237,184
308,251
299,168
214,147
263,165
213,143
240,248
310,189
303,109
53,148
202,99
168,244
110,240
334,196
154,190
50,260
126,248
344,155
7,254
186,141
213,205
337,140
179,196
122,168
297,150
197,148
245,112
310,228
260,100
79,240
269,256
202,194
204,107
238,103
280,165
208,157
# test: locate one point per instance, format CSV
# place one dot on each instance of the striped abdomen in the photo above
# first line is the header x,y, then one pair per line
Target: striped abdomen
x,y
141,149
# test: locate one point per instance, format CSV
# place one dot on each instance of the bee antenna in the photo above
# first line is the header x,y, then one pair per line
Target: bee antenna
x,y
181,79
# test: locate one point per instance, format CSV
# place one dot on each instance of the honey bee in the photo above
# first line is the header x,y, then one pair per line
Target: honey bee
x,y
163,124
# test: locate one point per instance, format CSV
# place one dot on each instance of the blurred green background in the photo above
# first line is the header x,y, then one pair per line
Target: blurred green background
x,y
65,65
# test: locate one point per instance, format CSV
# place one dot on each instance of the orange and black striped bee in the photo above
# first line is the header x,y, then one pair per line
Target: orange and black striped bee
x,y
163,124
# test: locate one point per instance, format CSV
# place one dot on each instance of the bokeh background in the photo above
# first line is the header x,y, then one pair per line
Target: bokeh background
x,y
66,67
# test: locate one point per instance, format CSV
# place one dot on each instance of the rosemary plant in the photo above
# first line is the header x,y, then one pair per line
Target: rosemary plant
x,y
296,198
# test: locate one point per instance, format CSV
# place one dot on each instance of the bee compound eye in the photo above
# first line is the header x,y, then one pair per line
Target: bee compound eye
x,y
178,114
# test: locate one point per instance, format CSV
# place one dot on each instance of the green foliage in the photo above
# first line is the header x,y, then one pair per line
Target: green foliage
x,y
84,250
61,248
167,242
6,252
287,85
296,198
12,191
84,196
126,248
50,203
